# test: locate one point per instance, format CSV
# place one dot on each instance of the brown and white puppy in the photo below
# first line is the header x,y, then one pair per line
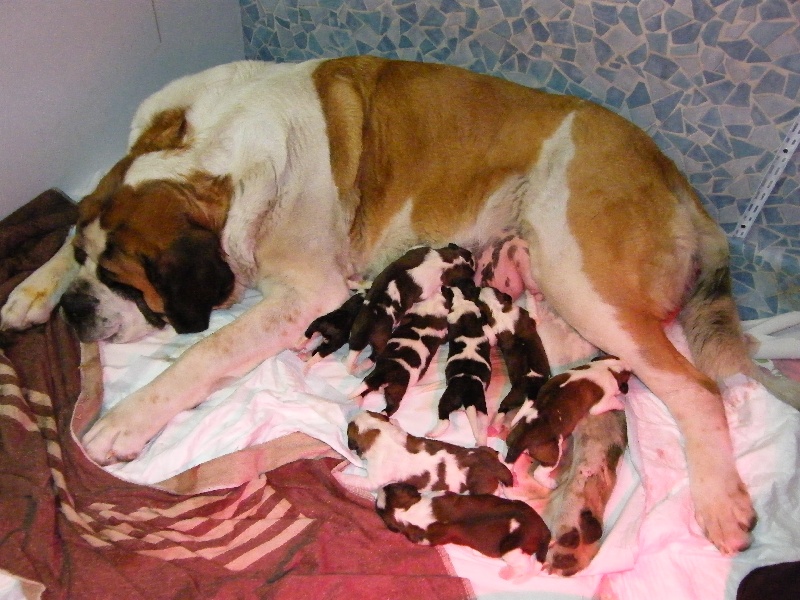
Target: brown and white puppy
x,y
290,178
391,455
415,276
505,265
409,351
515,334
584,484
495,527
468,370
540,426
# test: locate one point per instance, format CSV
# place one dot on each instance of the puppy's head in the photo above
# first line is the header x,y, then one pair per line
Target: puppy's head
x,y
462,264
397,495
392,504
617,368
367,427
148,254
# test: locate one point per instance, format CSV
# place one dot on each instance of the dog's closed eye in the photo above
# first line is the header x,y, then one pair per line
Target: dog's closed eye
x,y
133,294
80,255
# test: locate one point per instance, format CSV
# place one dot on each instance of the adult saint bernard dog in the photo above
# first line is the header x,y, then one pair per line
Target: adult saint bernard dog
x,y
293,177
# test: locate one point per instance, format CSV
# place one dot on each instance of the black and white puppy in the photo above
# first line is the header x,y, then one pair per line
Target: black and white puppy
x,y
409,351
326,334
413,277
540,427
494,526
514,332
468,370
391,455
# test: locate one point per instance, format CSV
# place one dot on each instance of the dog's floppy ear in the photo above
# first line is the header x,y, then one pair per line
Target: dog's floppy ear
x,y
91,205
192,278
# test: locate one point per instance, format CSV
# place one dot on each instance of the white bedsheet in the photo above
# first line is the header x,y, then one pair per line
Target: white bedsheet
x,y
652,547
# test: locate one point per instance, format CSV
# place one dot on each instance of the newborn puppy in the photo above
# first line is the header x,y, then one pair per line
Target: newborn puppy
x,y
495,527
414,276
328,333
505,265
468,369
391,455
409,351
541,426
523,352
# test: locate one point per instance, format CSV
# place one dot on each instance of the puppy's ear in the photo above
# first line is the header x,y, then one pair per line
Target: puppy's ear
x,y
622,380
192,278
447,292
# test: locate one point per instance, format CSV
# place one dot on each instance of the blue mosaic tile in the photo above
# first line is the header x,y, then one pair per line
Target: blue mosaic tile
x,y
792,86
653,23
686,34
715,82
605,13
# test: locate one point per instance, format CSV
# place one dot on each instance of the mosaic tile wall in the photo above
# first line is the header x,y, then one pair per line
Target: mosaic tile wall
x,y
715,82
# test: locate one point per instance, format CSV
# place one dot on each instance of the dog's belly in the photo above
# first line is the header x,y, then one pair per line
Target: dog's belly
x,y
499,215
532,203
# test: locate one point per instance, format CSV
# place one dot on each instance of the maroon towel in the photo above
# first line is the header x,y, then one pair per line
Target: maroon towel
x,y
78,531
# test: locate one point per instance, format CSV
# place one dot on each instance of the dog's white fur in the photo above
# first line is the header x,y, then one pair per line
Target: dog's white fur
x,y
301,147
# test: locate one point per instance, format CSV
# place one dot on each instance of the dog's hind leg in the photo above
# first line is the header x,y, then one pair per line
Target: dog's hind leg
x,y
723,507
32,302
626,321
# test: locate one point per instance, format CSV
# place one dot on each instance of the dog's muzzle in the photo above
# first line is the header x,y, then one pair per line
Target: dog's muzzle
x,y
79,308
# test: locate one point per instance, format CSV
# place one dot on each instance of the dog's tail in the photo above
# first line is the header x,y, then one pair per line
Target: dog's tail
x,y
710,318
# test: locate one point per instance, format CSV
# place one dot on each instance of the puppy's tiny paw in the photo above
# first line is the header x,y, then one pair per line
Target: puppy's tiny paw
x,y
516,574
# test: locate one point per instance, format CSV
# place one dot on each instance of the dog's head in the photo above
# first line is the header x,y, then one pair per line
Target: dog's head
x,y
148,250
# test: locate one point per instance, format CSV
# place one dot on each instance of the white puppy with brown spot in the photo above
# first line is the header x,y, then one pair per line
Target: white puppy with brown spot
x,y
391,455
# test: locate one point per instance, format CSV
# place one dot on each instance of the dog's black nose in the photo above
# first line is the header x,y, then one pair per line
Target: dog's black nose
x,y
78,307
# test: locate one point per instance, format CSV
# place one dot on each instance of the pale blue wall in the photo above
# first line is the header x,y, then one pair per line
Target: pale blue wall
x,y
73,71
715,82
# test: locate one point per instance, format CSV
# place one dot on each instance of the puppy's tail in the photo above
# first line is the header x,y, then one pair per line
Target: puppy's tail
x,y
711,322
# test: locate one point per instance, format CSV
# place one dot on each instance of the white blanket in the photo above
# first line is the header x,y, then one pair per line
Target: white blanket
x,y
652,547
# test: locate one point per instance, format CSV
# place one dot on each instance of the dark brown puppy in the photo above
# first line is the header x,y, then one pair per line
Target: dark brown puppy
x,y
515,334
494,526
331,329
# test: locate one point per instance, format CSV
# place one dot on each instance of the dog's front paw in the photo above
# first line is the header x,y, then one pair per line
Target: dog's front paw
x,y
575,543
29,304
726,515
119,435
